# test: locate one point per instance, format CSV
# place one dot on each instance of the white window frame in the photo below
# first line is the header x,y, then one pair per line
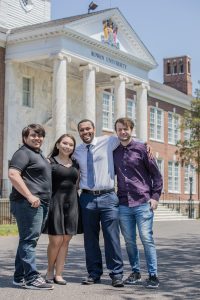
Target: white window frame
x,y
27,92
189,170
173,128
174,177
160,164
155,125
109,113
131,113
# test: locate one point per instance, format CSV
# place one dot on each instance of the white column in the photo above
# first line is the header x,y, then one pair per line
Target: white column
x,y
141,111
9,115
89,91
59,101
120,96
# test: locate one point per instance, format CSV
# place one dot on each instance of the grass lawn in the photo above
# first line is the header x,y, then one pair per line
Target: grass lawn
x,y
8,229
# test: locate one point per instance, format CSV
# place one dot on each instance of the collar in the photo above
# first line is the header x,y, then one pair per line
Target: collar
x,y
131,145
32,149
93,143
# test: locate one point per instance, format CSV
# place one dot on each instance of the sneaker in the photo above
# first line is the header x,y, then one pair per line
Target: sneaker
x,y
133,278
117,282
90,280
152,282
20,282
38,284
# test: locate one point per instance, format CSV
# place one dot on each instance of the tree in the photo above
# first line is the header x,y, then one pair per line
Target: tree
x,y
189,149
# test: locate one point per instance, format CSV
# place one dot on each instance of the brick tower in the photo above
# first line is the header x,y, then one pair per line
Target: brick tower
x,y
177,73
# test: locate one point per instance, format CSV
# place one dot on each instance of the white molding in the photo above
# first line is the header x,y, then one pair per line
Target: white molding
x,y
125,28
61,30
169,98
38,66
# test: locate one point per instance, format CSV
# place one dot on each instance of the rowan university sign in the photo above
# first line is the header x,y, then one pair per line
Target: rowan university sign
x,y
108,59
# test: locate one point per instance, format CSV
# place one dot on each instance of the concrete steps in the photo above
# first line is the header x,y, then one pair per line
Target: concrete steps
x,y
164,213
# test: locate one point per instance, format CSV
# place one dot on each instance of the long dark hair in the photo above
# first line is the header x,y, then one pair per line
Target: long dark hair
x,y
55,150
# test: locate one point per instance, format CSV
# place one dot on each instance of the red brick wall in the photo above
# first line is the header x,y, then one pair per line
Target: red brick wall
x,y
2,86
167,151
181,82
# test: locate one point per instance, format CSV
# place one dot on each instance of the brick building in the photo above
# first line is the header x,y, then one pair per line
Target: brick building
x,y
56,72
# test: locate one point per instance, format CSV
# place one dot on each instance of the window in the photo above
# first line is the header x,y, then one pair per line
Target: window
x,y
187,134
160,163
181,68
189,173
108,111
27,97
174,67
156,124
173,128
131,110
168,68
173,177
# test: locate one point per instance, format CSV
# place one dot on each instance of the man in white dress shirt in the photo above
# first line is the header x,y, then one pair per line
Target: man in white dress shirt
x,y
99,204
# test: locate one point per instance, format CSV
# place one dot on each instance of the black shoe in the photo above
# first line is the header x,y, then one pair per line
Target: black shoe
x,y
61,282
133,278
90,280
152,282
117,282
20,282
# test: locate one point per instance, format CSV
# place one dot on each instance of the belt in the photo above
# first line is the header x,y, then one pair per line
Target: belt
x,y
98,192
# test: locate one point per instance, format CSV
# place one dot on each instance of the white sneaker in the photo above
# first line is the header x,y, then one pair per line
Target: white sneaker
x,y
38,284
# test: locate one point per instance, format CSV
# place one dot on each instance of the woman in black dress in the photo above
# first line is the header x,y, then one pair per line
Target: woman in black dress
x,y
63,213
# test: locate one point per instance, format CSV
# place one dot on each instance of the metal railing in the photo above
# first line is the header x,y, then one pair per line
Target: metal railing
x,y
5,215
5,188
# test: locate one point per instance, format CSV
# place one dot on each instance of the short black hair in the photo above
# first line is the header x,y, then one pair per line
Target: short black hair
x,y
85,120
37,128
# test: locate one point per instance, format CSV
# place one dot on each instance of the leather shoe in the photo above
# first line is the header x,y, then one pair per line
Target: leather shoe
x,y
61,282
116,282
90,280
49,280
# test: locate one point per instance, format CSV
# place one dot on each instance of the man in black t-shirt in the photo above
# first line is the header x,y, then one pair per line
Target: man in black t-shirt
x,y
30,174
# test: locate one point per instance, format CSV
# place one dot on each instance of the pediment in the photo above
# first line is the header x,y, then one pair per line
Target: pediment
x,y
110,28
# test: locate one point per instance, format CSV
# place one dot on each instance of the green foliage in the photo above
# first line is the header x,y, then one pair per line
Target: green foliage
x,y
189,150
8,229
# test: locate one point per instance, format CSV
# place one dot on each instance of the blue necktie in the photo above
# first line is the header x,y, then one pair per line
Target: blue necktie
x,y
90,167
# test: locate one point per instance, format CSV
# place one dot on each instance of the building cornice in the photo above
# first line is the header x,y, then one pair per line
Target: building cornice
x,y
169,98
116,15
62,31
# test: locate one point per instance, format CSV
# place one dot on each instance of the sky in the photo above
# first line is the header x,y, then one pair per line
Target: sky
x,y
167,28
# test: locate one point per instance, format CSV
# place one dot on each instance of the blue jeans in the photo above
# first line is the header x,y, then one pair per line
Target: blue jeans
x,y
30,222
142,216
102,209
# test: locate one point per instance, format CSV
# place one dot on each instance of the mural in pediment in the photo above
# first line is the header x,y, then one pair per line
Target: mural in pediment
x,y
109,36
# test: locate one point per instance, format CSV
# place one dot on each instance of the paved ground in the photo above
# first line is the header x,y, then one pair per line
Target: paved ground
x,y
178,246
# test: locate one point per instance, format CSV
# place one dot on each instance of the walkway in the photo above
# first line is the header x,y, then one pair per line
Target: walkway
x,y
178,246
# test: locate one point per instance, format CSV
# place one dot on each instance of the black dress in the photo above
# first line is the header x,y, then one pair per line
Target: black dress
x,y
63,210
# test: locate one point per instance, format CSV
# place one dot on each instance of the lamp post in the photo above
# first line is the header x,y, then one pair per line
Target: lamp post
x,y
190,199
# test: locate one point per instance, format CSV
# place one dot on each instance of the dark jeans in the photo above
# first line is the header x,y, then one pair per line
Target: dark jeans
x,y
95,210
30,222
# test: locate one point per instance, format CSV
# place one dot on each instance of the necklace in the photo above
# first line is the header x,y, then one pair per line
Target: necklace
x,y
66,162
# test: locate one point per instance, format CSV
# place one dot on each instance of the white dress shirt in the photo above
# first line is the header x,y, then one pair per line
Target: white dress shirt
x,y
102,149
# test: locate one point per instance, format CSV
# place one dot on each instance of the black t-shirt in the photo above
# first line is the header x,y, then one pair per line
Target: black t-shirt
x,y
35,171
